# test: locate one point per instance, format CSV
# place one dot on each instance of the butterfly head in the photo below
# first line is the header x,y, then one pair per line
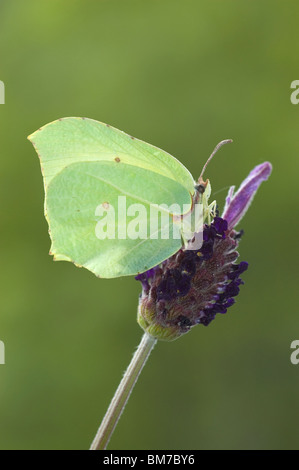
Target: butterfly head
x,y
201,185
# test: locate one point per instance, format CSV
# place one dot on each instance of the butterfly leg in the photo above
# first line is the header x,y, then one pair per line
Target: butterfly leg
x,y
211,211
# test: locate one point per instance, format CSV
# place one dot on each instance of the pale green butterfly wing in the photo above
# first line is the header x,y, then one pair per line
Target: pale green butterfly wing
x,y
74,140
87,166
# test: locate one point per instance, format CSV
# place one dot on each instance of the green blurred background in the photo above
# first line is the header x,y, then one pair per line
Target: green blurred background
x,y
182,76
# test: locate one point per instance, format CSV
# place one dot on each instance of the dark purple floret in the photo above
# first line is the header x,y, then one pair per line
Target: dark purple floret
x,y
143,278
188,266
176,283
209,233
206,251
183,286
232,289
229,303
238,269
220,226
166,289
151,272
207,318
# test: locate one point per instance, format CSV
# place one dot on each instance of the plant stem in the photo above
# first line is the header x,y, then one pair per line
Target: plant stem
x,y
123,392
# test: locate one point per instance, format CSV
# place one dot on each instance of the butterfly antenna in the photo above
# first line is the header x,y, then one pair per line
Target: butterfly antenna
x,y
228,141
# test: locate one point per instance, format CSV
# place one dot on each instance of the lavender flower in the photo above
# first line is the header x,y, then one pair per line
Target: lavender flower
x,y
192,286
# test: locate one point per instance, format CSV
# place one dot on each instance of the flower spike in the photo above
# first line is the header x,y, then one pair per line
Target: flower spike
x,y
192,286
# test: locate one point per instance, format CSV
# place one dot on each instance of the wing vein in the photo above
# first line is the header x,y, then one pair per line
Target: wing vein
x,y
133,196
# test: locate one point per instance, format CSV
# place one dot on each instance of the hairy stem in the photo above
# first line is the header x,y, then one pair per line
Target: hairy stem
x,y
123,392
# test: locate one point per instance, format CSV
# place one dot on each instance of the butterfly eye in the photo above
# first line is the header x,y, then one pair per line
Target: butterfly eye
x,y
200,188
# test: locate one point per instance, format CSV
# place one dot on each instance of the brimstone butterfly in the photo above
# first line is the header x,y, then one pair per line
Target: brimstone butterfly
x,y
89,168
